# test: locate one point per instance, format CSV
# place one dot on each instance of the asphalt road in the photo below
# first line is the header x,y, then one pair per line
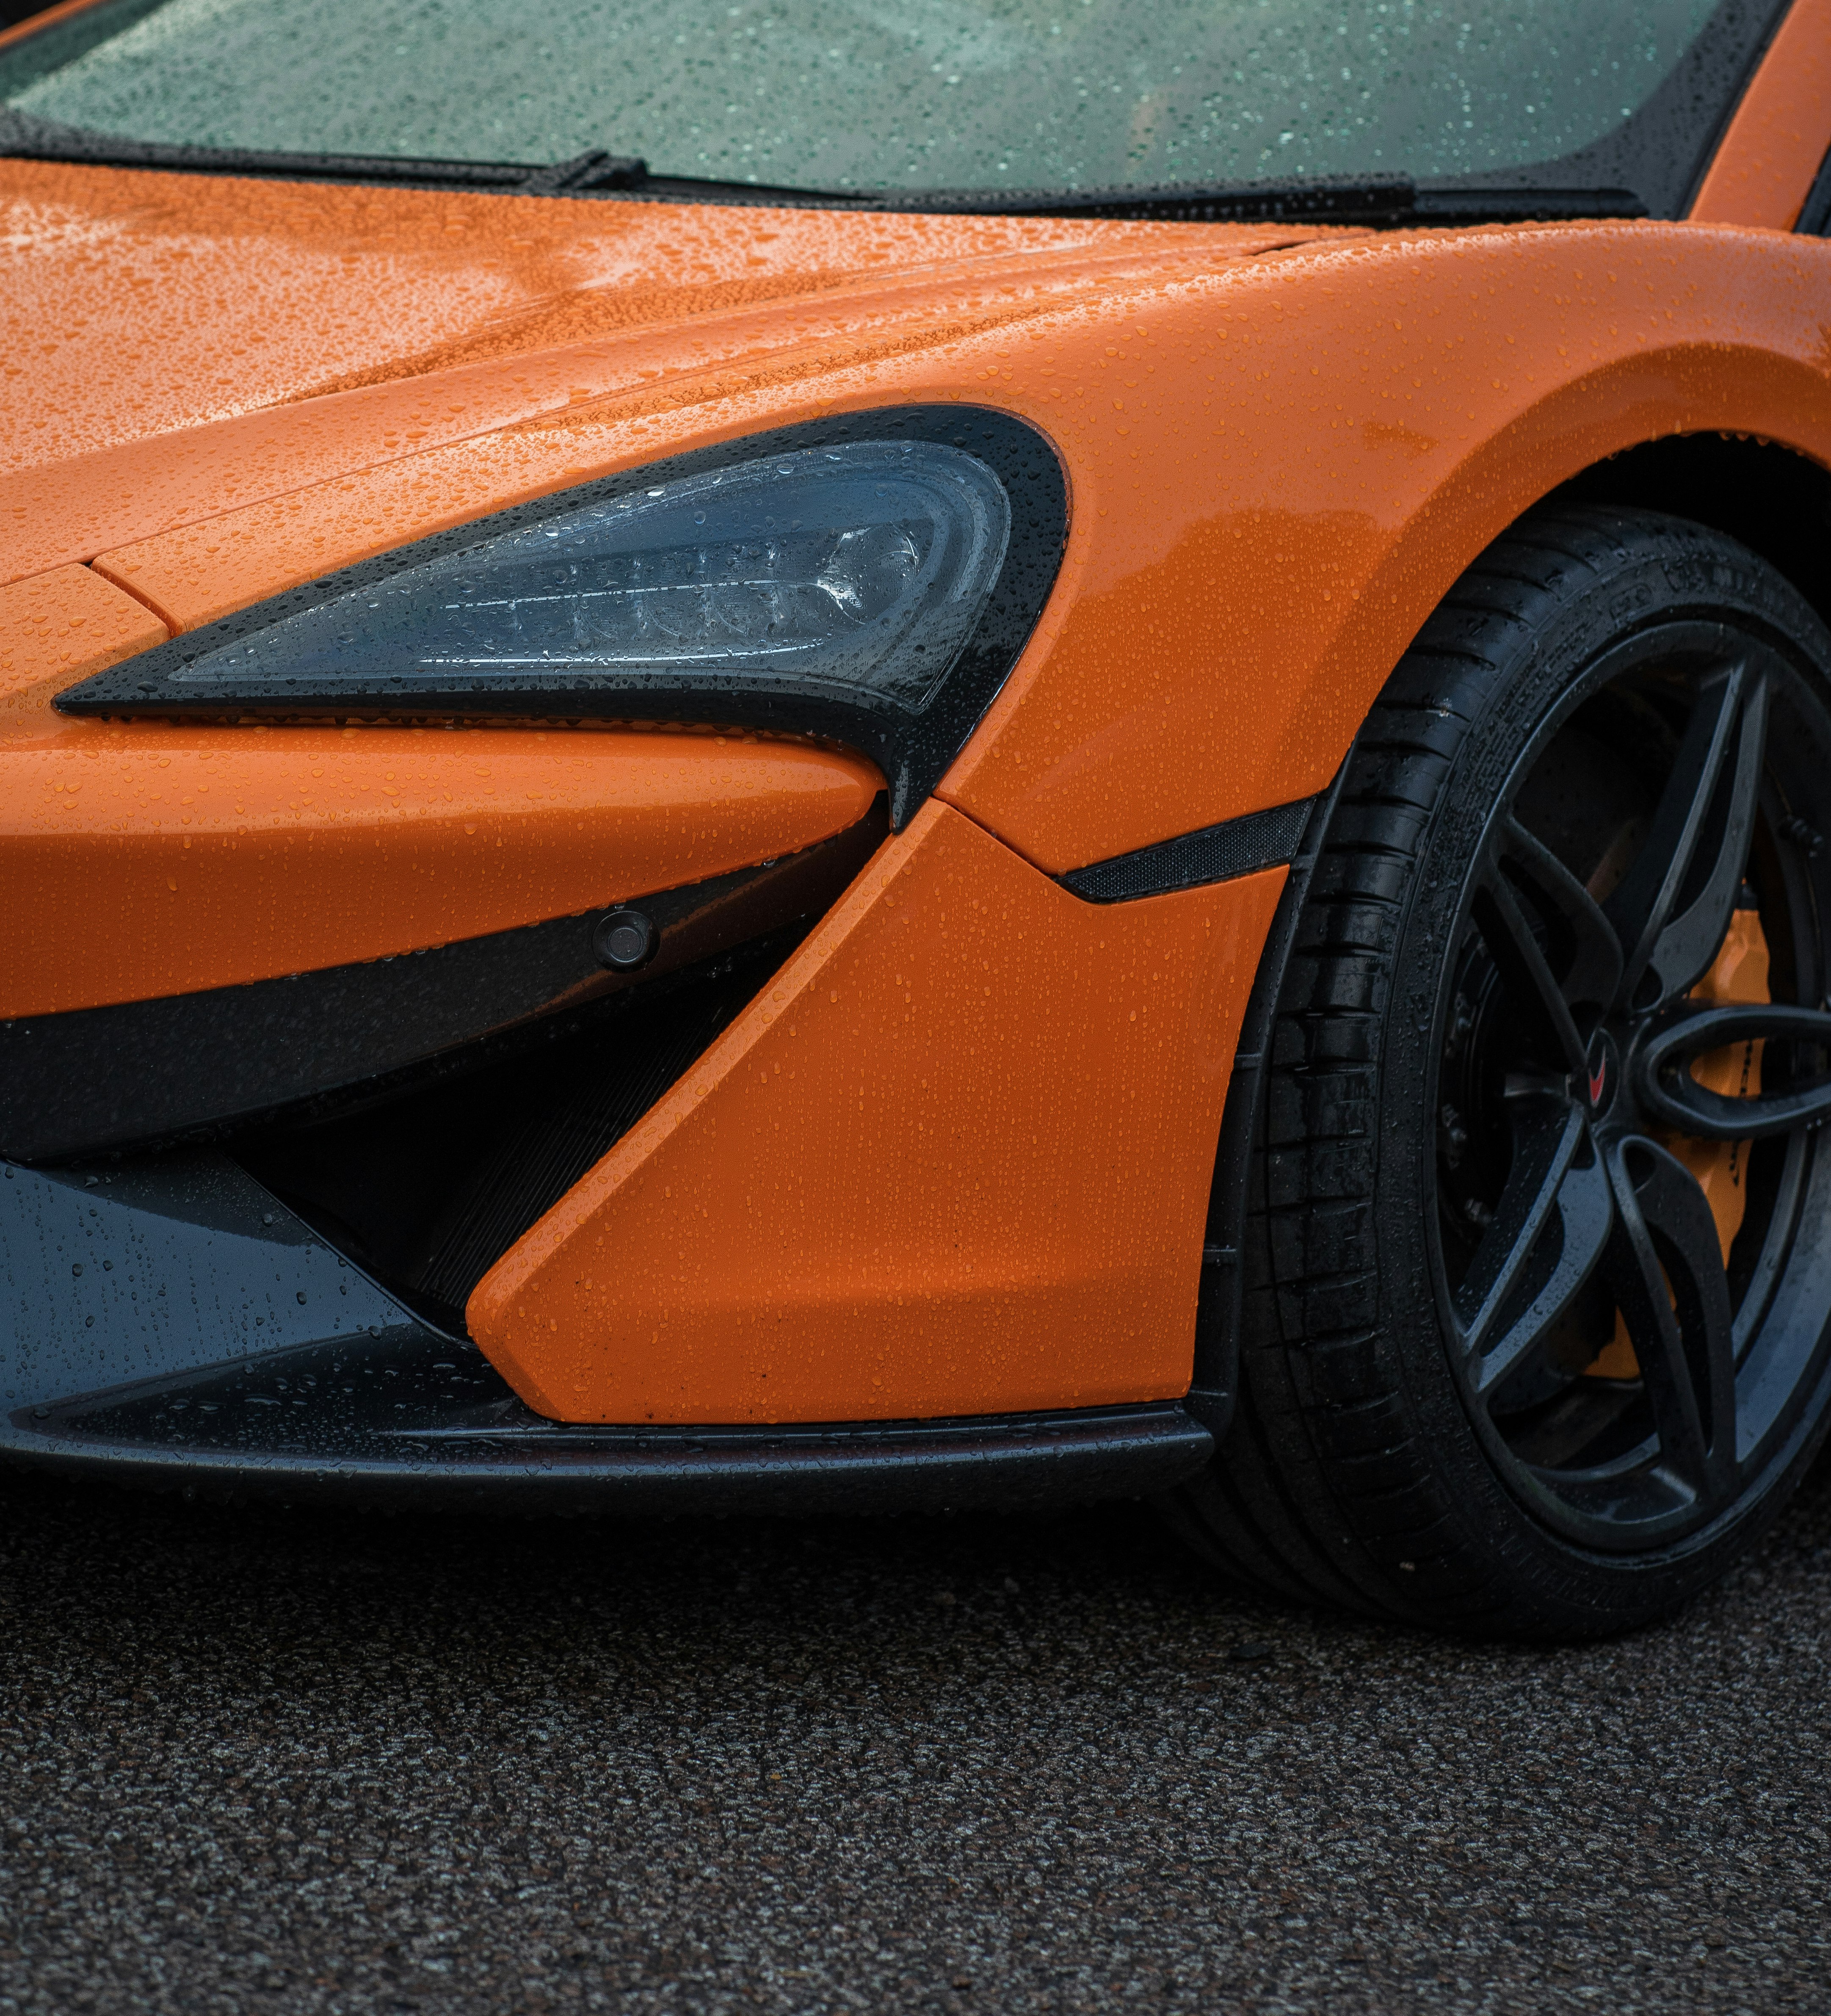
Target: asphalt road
x,y
264,1762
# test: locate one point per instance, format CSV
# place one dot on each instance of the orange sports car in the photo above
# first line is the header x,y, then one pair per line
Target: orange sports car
x,y
763,756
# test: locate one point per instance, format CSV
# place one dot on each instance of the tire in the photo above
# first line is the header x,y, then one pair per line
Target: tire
x,y
1534,1339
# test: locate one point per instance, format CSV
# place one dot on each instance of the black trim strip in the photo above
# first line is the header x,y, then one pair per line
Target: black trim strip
x,y
912,747
1380,201
92,1079
24,136
1216,854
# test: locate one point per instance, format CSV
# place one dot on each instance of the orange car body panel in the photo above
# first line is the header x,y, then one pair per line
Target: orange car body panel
x,y
1764,166
178,368
941,1165
986,1187
1326,436
60,627
145,859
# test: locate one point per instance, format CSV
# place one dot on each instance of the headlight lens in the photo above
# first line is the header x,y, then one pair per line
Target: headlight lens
x,y
871,577
865,565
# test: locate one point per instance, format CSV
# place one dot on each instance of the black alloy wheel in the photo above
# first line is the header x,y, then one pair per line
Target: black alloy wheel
x,y
1537,1322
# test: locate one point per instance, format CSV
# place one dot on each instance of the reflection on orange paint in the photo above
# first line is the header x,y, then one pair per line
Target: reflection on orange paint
x,y
954,1160
145,859
957,1158
1740,975
275,373
1277,464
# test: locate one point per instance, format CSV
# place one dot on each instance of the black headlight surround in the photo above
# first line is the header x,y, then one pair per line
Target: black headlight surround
x,y
912,746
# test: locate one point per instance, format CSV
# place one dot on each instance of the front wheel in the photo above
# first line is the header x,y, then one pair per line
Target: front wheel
x,y
1537,1332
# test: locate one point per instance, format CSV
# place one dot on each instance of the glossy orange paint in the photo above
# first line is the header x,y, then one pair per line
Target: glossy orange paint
x,y
1282,447
61,627
1765,164
944,1164
164,365
144,859
1325,443
1277,464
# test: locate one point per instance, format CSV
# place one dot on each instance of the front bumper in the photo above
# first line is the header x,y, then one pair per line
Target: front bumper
x,y
173,1325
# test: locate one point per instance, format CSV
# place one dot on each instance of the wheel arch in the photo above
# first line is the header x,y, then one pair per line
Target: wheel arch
x,y
1772,497
1732,436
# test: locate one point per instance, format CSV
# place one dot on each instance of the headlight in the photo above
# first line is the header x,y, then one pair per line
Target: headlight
x,y
836,584
862,565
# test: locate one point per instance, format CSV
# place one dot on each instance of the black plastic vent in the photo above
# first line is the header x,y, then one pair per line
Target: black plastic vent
x,y
1216,854
426,1189
542,1159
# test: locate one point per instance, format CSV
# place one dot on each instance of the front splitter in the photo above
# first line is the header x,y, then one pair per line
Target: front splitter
x,y
172,1326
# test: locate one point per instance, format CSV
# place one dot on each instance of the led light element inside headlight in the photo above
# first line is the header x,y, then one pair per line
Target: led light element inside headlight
x,y
865,565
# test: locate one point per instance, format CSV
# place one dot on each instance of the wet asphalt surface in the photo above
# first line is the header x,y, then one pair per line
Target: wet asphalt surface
x,y
270,1761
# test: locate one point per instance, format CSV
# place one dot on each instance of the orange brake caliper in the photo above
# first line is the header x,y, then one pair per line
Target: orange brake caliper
x,y
1740,975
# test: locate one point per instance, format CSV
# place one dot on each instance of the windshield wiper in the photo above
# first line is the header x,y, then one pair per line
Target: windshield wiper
x,y
1383,203
26,137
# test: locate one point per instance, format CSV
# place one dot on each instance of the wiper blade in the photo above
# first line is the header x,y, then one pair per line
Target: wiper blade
x,y
26,137
1382,203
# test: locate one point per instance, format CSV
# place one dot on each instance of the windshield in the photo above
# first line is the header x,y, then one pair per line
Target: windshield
x,y
879,96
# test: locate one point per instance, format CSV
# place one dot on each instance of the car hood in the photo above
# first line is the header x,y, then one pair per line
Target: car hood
x,y
178,345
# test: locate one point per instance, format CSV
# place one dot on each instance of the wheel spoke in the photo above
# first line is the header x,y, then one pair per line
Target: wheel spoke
x,y
1591,959
1673,906
1669,1093
1555,1173
1664,1266
1524,969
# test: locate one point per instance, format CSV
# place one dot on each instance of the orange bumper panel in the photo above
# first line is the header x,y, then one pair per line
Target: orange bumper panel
x,y
954,1160
145,859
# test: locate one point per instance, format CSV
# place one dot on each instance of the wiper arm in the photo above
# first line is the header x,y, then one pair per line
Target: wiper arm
x,y
1383,203
26,137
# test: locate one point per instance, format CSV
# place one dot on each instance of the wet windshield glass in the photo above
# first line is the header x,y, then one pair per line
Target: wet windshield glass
x,y
876,95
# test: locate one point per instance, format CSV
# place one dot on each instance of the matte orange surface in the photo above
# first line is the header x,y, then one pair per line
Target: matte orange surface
x,y
142,859
953,1160
61,627
1766,161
